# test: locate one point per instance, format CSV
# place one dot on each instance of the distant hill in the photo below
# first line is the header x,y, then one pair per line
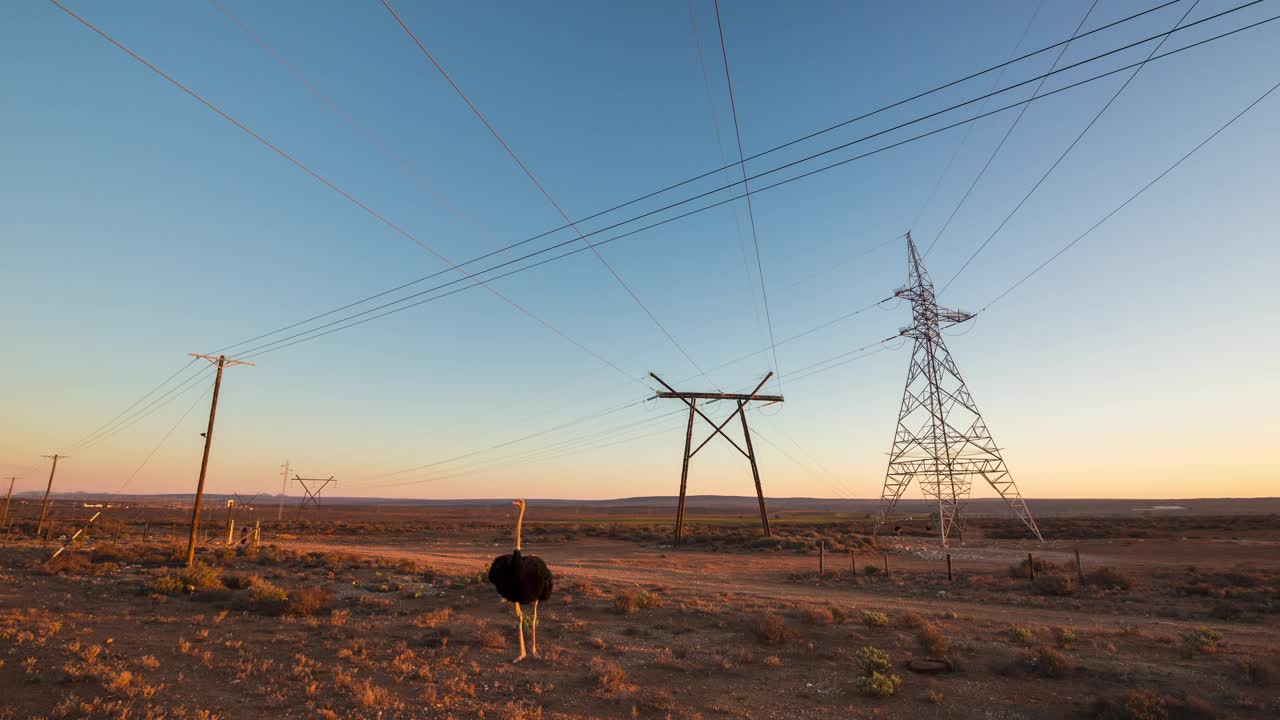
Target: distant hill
x,y
1047,507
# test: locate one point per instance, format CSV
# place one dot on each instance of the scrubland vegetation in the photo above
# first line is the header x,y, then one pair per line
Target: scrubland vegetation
x,y
123,630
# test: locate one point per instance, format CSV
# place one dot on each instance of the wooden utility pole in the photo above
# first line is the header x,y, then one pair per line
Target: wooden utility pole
x,y
8,497
44,506
741,399
284,490
221,362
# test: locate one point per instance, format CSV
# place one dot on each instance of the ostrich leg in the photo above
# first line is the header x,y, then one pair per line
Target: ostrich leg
x,y
520,617
535,628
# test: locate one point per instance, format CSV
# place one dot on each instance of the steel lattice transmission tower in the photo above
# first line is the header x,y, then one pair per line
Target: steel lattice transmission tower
x,y
941,440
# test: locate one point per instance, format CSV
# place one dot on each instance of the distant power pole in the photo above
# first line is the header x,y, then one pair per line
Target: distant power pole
x,y
222,362
44,506
284,490
4,516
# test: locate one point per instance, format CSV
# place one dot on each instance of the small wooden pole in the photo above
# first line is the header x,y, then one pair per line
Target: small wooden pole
x,y
1079,567
853,561
950,575
1031,567
257,533
886,564
115,534
822,558
146,531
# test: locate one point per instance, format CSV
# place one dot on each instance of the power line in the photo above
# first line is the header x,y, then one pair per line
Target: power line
x,y
725,168
135,403
732,198
158,445
846,122
1130,199
351,198
955,153
758,175
751,213
542,189
715,126
1137,69
1008,131
333,105
158,402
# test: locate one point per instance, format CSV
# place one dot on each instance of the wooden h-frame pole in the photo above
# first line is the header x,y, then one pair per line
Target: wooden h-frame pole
x,y
691,399
312,495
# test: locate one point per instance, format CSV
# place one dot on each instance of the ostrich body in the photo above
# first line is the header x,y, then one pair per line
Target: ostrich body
x,y
522,578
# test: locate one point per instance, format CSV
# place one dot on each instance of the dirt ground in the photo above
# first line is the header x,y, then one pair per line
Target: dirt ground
x,y
374,623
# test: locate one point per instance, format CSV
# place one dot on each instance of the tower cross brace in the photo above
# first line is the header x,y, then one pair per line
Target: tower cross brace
x,y
312,491
941,440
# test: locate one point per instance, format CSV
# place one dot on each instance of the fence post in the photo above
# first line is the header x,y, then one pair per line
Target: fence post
x,y
853,561
146,531
822,558
950,577
886,564
1031,567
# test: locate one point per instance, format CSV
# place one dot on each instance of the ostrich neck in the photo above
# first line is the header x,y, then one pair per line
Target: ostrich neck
x,y
519,524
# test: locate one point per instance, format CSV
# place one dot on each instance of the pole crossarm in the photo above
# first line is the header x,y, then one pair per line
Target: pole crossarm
x,y
222,361
740,399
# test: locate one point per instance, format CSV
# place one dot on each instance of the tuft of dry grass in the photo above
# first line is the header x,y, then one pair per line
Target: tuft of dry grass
x,y
608,676
932,641
818,616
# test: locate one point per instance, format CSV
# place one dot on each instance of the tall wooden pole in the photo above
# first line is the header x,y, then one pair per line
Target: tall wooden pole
x,y
684,474
755,471
8,497
204,465
44,506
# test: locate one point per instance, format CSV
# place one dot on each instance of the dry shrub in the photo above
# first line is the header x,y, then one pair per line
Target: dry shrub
x,y
1108,578
873,660
1049,663
432,619
1041,565
771,629
608,676
912,620
307,600
70,563
1133,705
266,597
632,600
239,581
1021,634
491,639
1056,585
819,616
932,641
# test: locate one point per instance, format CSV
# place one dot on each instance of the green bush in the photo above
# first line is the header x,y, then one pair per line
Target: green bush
x,y
1021,634
1064,637
1202,639
200,577
879,685
874,618
873,660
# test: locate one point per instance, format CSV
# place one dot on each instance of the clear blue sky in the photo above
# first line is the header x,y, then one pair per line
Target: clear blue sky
x,y
136,226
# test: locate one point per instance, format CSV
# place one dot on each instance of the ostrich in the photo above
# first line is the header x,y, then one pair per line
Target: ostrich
x,y
522,579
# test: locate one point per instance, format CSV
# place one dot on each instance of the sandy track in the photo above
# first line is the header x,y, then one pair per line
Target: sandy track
x,y
763,577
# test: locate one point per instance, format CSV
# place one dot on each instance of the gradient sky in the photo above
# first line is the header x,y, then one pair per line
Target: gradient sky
x,y
137,226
